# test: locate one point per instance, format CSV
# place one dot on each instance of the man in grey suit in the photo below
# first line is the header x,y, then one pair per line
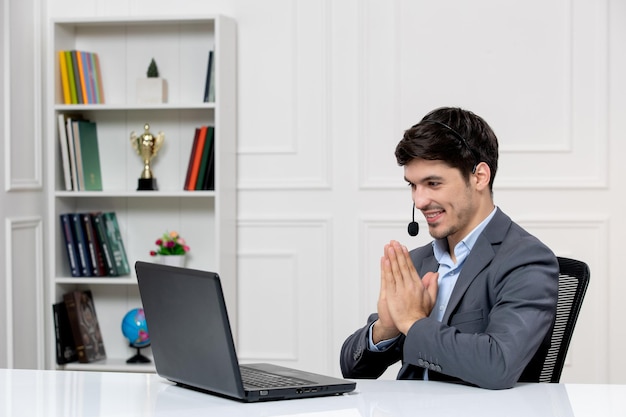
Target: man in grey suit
x,y
477,305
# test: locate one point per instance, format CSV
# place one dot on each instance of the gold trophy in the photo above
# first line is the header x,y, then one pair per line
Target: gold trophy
x,y
147,146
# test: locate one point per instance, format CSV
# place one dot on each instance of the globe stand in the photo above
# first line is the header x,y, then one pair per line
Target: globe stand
x,y
138,357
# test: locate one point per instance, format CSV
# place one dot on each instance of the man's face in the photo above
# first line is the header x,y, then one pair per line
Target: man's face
x,y
447,201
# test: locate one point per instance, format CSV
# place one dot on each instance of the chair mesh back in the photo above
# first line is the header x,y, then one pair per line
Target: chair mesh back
x,y
573,281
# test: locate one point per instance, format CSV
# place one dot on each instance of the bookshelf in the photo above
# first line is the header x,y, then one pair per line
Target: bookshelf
x,y
206,219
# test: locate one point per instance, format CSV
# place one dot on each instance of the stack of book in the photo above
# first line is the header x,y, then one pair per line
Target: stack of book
x,y
80,154
81,80
77,331
201,167
94,244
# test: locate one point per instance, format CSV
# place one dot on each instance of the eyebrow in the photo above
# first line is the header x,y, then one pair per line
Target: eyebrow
x,y
426,179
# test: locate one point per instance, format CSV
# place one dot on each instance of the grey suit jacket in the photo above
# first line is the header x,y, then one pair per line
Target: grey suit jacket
x,y
497,326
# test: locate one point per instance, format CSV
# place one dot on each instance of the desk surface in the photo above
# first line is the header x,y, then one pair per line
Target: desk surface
x,y
85,394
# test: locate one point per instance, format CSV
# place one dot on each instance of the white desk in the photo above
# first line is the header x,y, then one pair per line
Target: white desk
x,y
75,393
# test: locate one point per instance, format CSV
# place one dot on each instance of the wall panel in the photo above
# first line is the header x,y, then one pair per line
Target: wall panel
x,y
22,334
24,302
284,70
23,51
541,83
284,291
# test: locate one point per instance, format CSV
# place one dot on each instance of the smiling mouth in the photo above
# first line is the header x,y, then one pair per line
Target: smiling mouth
x,y
433,216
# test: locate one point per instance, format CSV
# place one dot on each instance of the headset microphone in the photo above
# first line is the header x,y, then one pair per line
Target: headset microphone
x,y
413,228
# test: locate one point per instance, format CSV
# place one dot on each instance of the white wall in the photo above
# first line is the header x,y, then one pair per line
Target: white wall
x,y
326,89
21,203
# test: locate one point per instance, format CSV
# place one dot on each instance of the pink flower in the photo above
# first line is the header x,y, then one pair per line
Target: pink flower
x,y
170,244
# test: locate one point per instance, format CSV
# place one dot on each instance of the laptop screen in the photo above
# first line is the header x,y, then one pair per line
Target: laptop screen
x,y
189,329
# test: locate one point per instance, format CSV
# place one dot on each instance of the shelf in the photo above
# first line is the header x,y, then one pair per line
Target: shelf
x,y
124,280
135,194
111,365
137,20
131,107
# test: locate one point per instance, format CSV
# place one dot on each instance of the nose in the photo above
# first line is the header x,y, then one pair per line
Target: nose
x,y
420,198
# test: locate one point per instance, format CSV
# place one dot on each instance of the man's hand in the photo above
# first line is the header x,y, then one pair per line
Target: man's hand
x,y
404,297
384,328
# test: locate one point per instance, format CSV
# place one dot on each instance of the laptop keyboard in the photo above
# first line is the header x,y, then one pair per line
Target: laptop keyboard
x,y
254,378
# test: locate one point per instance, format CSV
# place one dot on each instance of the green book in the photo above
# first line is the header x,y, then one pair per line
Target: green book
x,y
90,155
78,87
114,236
71,79
98,223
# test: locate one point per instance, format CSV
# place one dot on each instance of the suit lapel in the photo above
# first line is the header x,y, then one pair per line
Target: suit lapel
x,y
428,264
481,255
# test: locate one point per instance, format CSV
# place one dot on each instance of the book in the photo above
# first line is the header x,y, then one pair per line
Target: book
x,y
77,84
70,77
90,81
200,183
98,78
65,153
194,147
212,83
114,236
84,61
65,86
89,155
82,70
209,183
94,77
197,158
107,253
207,83
70,244
93,246
81,312
65,345
78,159
71,146
84,260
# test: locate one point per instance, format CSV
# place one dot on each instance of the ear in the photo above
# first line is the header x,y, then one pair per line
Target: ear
x,y
482,176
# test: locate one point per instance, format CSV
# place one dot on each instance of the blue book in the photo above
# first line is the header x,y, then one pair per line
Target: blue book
x,y
81,244
70,244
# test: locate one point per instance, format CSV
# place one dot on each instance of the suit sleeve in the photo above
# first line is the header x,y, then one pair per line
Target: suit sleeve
x,y
357,361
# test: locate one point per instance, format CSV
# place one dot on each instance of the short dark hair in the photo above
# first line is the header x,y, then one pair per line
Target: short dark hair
x,y
455,136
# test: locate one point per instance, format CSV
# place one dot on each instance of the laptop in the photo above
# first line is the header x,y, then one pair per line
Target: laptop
x,y
192,343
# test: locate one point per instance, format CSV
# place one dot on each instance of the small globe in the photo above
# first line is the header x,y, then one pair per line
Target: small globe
x,y
135,329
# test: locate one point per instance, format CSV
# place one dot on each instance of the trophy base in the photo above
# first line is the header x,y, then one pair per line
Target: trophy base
x,y
147,184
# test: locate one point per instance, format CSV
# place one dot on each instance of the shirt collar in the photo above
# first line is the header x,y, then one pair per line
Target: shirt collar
x,y
440,245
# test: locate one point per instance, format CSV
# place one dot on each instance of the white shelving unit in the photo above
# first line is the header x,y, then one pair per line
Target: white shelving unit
x,y
206,219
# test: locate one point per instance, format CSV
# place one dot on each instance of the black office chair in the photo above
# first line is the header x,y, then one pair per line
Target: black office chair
x,y
573,282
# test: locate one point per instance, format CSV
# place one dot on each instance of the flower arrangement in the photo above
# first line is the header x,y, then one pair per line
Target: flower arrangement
x,y
170,244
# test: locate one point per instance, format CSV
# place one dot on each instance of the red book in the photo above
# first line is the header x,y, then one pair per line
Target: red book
x,y
191,158
197,158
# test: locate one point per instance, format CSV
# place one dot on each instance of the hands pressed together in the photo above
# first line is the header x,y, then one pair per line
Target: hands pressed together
x,y
405,297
